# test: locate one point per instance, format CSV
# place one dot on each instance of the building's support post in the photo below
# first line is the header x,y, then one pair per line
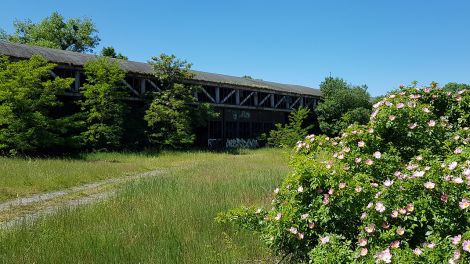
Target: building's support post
x,y
76,87
217,95
272,101
142,86
287,100
255,98
196,95
237,97
301,102
228,96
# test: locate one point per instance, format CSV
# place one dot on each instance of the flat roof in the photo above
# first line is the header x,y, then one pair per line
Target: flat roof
x,y
79,59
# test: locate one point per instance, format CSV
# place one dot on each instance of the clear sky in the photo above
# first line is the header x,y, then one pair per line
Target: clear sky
x,y
379,43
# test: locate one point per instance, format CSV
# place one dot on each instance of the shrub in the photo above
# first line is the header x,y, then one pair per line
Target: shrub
x,y
395,190
288,134
30,112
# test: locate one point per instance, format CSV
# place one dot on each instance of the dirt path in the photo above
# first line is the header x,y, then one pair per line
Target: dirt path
x,y
28,209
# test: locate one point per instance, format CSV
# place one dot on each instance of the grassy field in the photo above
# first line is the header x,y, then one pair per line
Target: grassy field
x,y
167,219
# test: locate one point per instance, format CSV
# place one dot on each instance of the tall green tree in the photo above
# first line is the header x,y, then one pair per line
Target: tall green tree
x,y
111,52
455,87
73,34
296,129
29,107
174,112
342,105
102,106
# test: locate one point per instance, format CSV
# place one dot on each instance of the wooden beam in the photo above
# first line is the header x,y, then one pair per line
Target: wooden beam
x,y
76,87
255,99
272,101
208,95
52,74
294,103
280,101
142,86
154,85
264,99
217,95
246,98
130,87
228,96
237,97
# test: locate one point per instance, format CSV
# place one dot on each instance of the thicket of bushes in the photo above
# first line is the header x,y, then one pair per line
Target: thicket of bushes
x,y
393,190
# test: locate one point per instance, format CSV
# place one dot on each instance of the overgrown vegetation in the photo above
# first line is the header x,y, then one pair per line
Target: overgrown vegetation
x,y
342,104
173,113
30,118
102,105
287,135
394,190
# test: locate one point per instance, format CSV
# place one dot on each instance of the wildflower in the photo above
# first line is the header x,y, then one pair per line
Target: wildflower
x,y
363,252
418,174
402,211
466,245
370,205
400,105
331,191
458,180
358,189
412,126
311,225
363,216
377,195
410,208
362,242
458,150
431,123
370,228
385,225
326,199
370,130
293,230
278,217
369,162
395,244
357,160
300,236
385,256
342,185
430,245
374,184
400,231
361,144
377,155
456,239
276,190
394,214
426,110
304,216
452,165
258,211
300,189
417,251
429,185
456,257
419,157
325,240
341,156
391,117
388,183
444,197
466,172
464,203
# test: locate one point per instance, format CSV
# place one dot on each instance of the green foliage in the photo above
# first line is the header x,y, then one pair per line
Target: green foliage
x,y
339,98
173,113
102,105
54,32
29,119
288,134
394,190
454,87
111,52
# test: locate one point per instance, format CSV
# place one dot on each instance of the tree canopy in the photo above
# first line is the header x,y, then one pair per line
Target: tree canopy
x,y
343,104
111,52
73,34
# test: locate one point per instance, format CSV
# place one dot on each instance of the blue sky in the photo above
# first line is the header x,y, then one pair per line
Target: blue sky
x,y
379,43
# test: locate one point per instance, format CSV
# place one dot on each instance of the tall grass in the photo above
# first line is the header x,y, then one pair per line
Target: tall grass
x,y
168,219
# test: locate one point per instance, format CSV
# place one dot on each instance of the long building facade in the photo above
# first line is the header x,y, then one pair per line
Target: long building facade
x,y
247,107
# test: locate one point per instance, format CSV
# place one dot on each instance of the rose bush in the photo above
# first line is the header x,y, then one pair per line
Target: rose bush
x,y
396,190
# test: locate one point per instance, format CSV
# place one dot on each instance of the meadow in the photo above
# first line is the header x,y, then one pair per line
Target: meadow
x,y
165,219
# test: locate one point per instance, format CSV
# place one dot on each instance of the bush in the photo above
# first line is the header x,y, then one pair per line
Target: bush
x,y
395,190
289,134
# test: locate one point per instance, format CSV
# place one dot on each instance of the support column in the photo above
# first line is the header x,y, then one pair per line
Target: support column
x,y
76,87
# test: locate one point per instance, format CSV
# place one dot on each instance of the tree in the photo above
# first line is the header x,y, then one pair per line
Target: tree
x,y
54,32
289,134
111,52
342,105
29,107
102,105
455,87
174,112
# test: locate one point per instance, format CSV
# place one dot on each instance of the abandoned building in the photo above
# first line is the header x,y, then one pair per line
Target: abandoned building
x,y
247,107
